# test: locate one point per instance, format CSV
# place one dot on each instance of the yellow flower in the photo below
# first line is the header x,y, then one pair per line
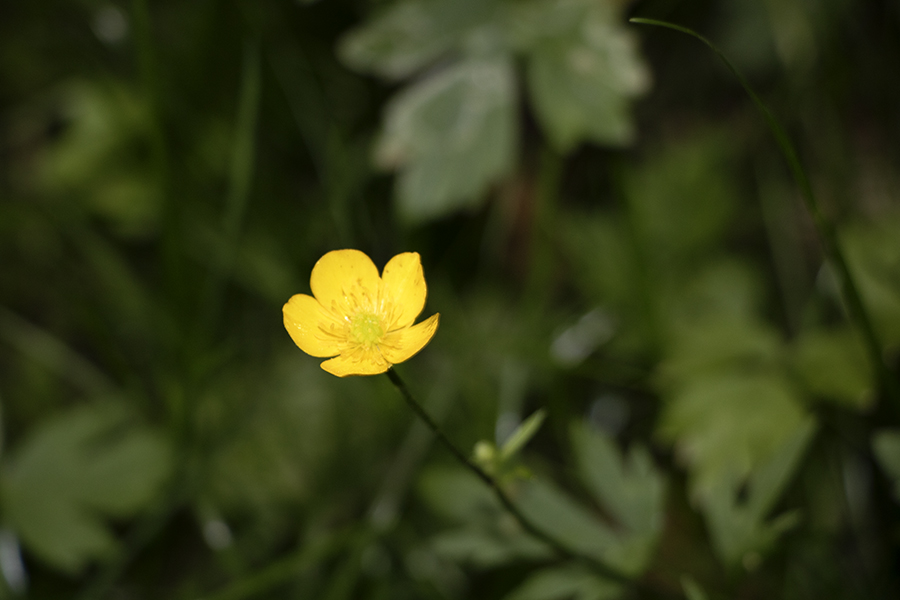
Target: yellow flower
x,y
362,320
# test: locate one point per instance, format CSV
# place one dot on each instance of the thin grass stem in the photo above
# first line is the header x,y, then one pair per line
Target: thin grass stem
x,y
561,550
828,236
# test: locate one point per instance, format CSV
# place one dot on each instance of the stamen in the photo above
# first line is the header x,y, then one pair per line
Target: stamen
x,y
366,329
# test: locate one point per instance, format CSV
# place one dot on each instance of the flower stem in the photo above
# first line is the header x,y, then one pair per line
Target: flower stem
x,y
564,552
824,227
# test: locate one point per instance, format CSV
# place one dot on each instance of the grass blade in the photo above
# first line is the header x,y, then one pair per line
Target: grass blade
x,y
824,227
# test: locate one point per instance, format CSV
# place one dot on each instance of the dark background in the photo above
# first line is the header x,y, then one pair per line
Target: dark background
x,y
607,228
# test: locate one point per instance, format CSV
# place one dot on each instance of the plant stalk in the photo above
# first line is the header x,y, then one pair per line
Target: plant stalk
x,y
564,552
824,227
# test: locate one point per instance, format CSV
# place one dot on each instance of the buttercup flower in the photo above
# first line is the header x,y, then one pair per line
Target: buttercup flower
x,y
362,320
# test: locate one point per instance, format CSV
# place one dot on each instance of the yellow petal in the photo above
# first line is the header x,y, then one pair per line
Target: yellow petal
x,y
308,323
343,366
404,288
341,273
402,344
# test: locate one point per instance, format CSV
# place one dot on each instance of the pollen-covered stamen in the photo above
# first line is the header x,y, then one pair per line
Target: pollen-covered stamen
x,y
366,329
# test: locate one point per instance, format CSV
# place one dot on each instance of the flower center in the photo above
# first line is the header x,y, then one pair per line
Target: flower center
x,y
366,329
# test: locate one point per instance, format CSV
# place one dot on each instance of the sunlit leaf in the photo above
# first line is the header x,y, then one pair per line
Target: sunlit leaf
x,y
453,132
412,34
581,81
450,135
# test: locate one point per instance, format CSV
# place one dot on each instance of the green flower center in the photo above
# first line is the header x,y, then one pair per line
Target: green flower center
x,y
366,329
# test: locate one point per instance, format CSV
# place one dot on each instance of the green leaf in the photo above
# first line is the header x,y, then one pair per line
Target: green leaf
x,y
75,468
582,80
834,365
564,583
457,494
886,445
631,489
410,35
737,517
692,590
451,135
725,293
724,425
489,536
522,434
101,157
873,251
490,547
701,348
767,481
569,522
500,464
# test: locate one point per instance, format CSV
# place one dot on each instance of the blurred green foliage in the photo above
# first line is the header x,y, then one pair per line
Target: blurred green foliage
x,y
606,228
580,64
77,464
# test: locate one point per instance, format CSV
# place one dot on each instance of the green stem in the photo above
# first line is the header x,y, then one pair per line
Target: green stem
x,y
825,228
600,567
